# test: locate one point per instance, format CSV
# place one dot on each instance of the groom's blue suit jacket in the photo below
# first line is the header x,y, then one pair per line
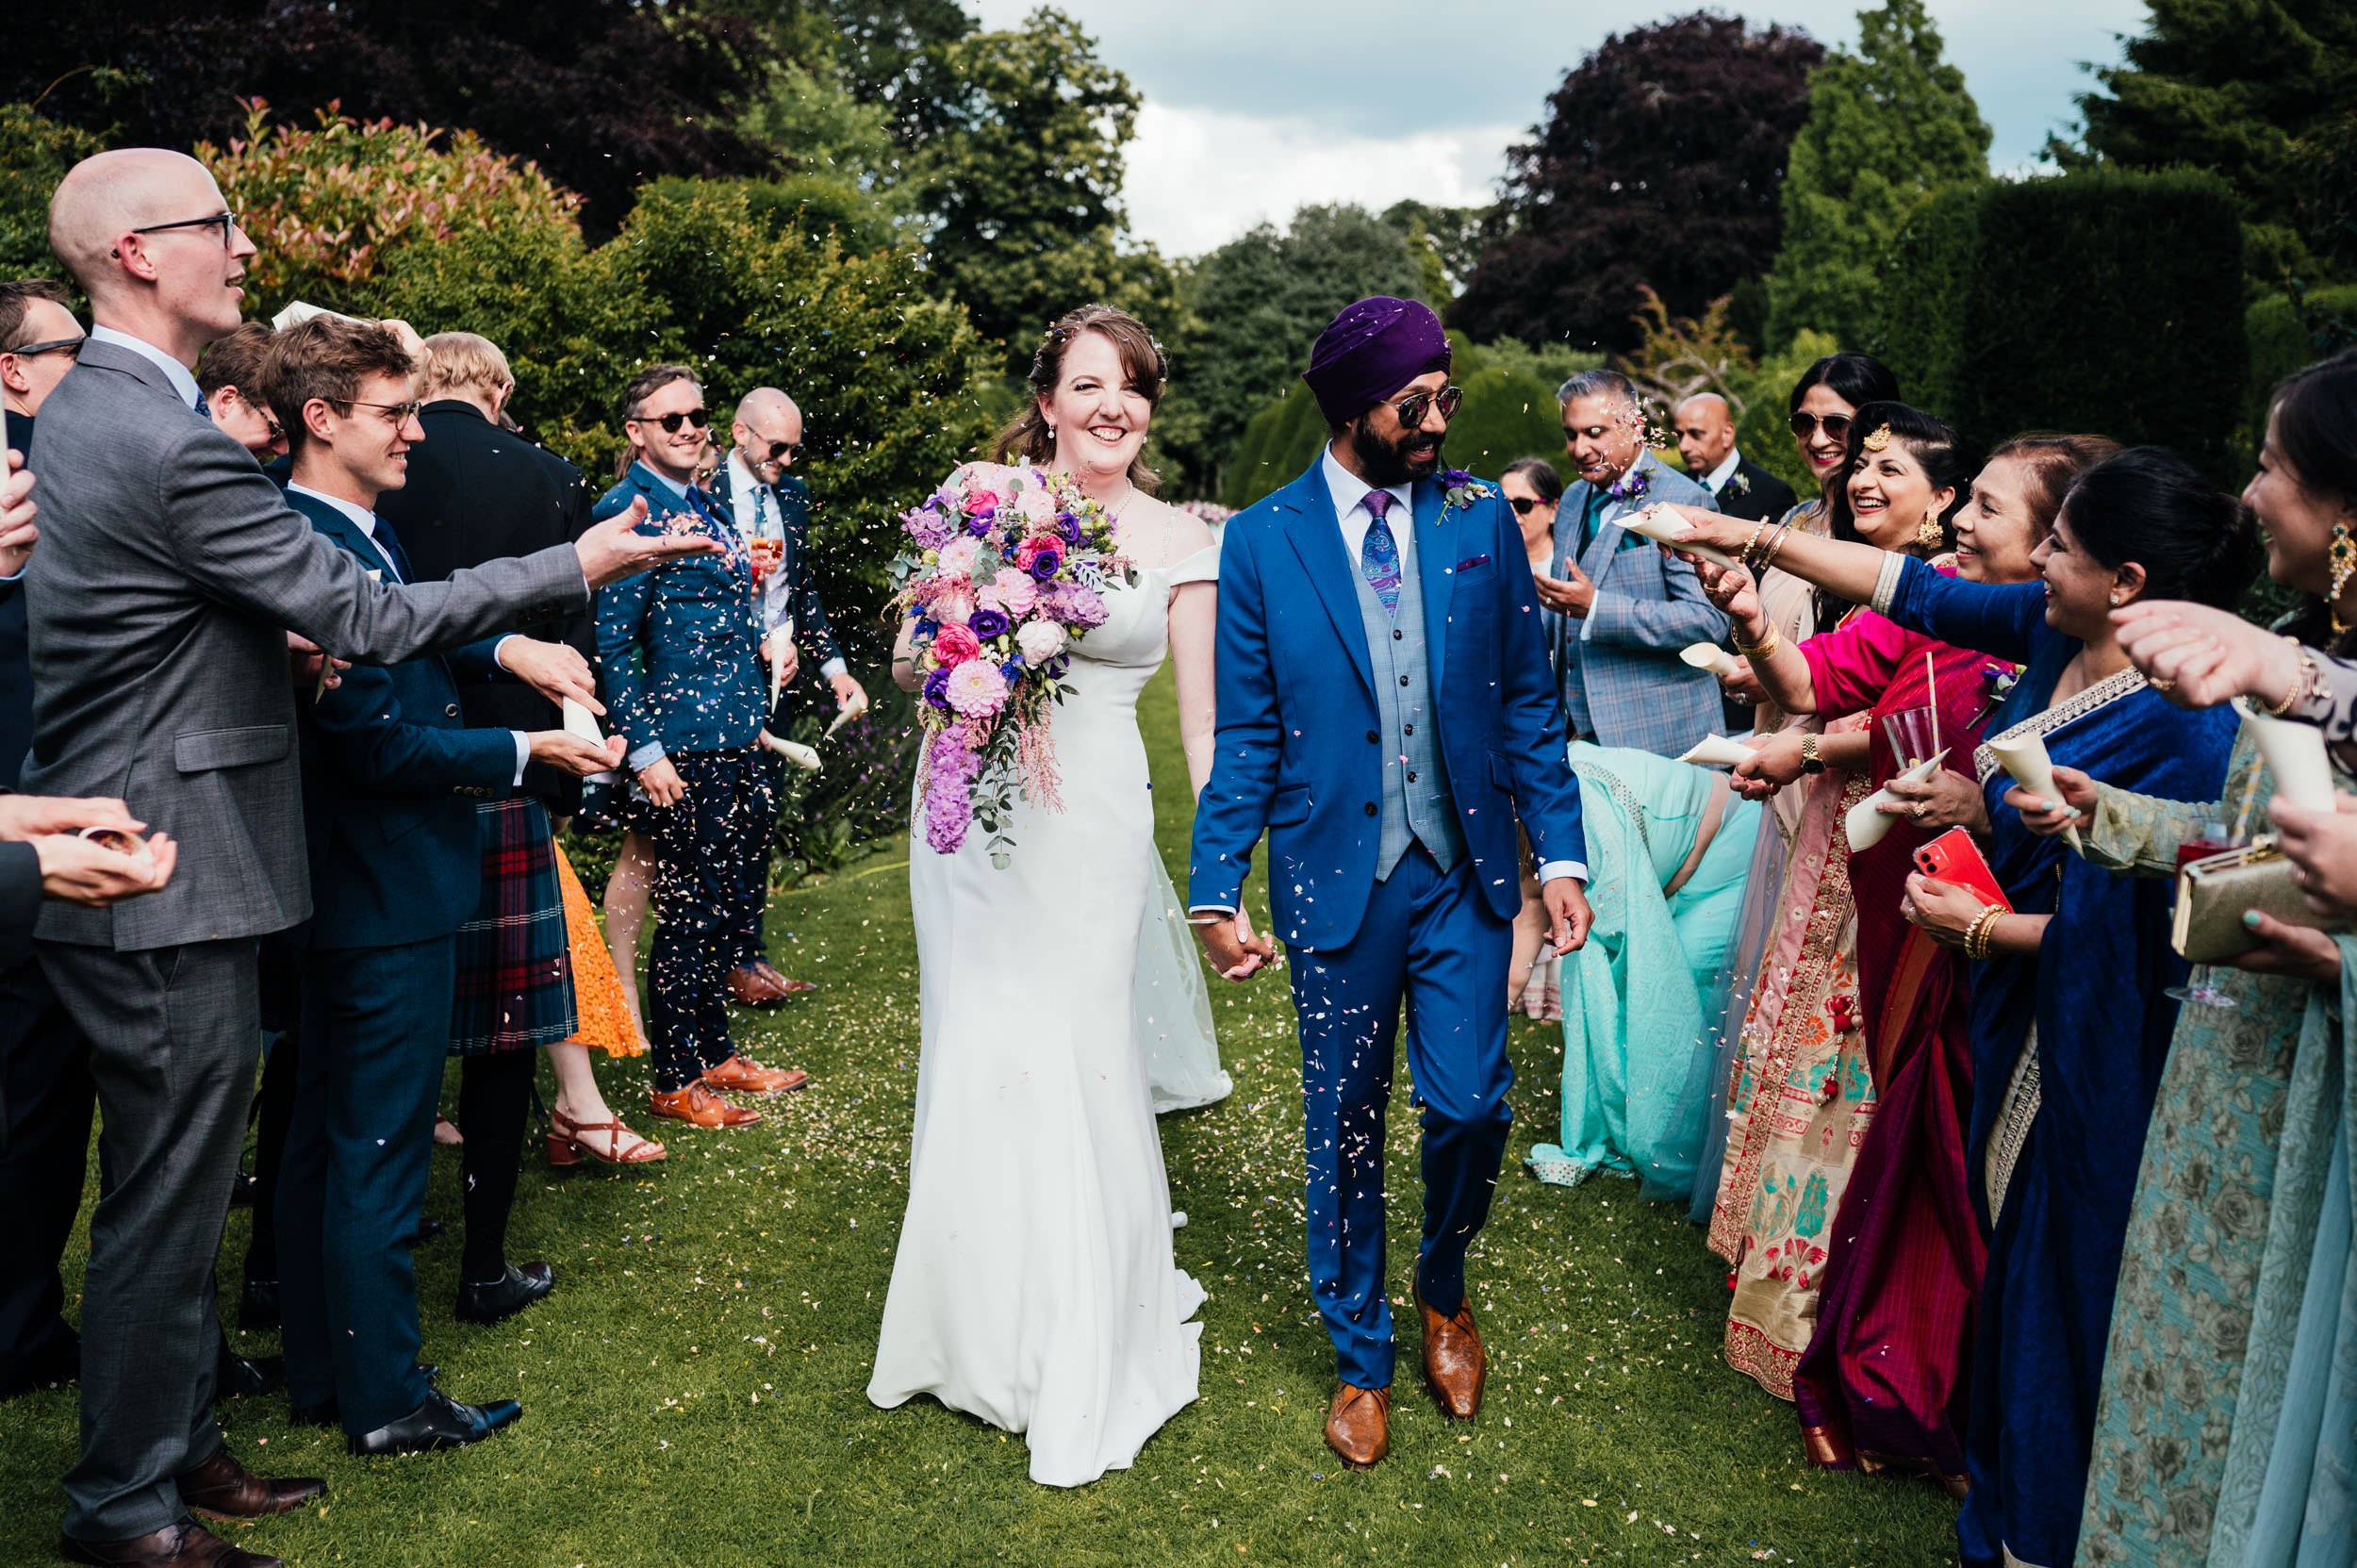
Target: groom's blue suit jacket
x,y
1299,752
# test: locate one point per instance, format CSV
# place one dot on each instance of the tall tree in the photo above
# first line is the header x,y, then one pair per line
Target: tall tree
x,y
1021,188
1657,164
2254,90
1886,127
1256,304
601,94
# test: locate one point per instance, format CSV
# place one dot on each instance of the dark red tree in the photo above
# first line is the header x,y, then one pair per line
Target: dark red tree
x,y
1659,163
602,93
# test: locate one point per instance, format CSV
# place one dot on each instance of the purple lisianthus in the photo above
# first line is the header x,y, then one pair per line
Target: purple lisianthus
x,y
980,523
937,688
987,623
1070,526
1451,479
1046,563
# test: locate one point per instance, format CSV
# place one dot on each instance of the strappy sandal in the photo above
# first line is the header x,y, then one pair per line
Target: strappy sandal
x,y
569,1141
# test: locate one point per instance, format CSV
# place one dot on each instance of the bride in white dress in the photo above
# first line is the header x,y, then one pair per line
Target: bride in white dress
x,y
1035,1285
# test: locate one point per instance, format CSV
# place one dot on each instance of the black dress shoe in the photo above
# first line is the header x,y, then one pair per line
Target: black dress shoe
x,y
222,1487
242,1190
185,1544
503,1297
442,1422
235,1377
327,1412
258,1305
427,1231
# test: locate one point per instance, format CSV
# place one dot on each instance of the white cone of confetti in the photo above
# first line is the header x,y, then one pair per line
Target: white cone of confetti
x,y
1710,656
2294,752
2024,758
1867,822
1717,752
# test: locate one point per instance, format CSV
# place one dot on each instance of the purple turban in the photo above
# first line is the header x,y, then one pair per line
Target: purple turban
x,y
1370,350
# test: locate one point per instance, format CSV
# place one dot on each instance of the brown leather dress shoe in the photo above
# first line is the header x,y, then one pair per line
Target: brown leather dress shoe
x,y
220,1488
185,1544
740,1076
1455,1364
768,971
750,987
700,1105
1359,1424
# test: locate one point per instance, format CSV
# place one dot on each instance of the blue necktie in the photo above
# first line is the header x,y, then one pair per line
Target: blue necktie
x,y
204,409
389,542
1378,558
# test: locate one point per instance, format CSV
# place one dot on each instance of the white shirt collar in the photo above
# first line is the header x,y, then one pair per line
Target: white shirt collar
x,y
678,492
364,519
183,379
742,486
1718,476
1349,490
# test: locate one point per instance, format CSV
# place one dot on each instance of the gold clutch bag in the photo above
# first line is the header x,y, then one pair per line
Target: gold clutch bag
x,y
2213,893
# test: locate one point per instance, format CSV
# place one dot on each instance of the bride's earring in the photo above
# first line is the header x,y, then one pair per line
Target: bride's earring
x,y
1928,533
2343,558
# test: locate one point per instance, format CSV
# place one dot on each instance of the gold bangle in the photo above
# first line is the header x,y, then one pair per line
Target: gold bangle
x,y
1980,938
1776,542
1744,554
1767,645
2308,683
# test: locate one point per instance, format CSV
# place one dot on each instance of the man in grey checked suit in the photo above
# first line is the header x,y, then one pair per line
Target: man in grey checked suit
x,y
169,576
1618,610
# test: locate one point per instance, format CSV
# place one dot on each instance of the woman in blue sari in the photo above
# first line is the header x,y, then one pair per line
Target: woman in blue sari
x,y
2069,1026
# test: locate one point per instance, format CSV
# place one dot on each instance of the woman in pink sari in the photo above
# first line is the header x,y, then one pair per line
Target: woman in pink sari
x,y
1882,1384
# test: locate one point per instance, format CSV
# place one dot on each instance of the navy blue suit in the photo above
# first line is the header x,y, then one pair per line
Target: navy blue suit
x,y
679,654
1299,755
389,784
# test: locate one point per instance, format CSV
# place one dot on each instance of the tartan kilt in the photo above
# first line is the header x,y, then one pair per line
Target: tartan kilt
x,y
515,963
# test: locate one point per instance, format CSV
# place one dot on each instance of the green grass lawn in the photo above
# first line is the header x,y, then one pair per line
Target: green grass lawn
x,y
693,1391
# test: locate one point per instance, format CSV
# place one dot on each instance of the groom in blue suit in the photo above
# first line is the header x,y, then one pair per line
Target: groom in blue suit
x,y
1386,714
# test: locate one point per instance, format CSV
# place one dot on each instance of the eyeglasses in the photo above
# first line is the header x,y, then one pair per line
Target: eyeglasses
x,y
397,414
780,450
70,347
225,221
671,423
1523,504
1413,407
1804,425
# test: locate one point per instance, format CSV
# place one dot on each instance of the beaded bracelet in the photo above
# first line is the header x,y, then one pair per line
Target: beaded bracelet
x,y
1980,938
2308,684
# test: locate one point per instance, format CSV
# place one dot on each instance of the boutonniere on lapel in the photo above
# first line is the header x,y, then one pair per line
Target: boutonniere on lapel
x,y
1459,490
1631,486
1997,681
1739,483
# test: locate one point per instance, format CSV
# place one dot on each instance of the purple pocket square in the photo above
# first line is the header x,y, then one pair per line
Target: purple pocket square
x,y
1471,562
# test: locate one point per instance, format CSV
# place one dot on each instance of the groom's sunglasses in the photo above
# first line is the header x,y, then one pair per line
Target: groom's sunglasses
x,y
671,423
1804,425
1412,408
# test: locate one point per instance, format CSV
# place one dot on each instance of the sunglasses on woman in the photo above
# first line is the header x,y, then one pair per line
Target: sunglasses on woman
x,y
1523,504
1804,425
671,423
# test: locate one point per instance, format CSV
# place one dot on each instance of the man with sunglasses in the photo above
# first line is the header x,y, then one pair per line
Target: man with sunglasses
x,y
39,340
1618,609
1385,718
171,572
767,502
683,656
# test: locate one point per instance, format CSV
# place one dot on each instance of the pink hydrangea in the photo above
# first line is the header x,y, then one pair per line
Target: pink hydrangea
x,y
977,689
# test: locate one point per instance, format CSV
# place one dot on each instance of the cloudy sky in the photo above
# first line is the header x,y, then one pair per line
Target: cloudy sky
x,y
1255,107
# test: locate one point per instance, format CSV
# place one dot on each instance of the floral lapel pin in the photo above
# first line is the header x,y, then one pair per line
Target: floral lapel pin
x,y
1459,490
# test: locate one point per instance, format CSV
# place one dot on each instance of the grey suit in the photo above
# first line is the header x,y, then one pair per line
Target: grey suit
x,y
169,570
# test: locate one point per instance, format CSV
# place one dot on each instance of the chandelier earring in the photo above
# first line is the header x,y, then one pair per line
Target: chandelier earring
x,y
2343,558
1930,534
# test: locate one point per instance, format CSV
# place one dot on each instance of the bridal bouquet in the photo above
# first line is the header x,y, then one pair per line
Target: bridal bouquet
x,y
1001,576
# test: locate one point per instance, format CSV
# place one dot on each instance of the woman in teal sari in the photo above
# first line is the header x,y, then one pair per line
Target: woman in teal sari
x,y
1668,845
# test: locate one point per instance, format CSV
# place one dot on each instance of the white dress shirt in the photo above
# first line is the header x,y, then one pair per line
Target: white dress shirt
x,y
748,498
183,379
366,521
1719,476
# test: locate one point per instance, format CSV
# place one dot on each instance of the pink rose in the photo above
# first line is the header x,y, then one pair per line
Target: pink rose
x,y
952,606
954,645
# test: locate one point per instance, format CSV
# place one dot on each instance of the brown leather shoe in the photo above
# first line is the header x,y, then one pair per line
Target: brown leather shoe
x,y
763,967
742,1077
185,1544
700,1105
750,987
1455,1364
1359,1424
220,1488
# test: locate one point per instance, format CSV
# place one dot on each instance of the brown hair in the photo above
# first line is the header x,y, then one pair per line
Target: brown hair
x,y
16,298
1028,436
326,357
236,361
2053,463
642,387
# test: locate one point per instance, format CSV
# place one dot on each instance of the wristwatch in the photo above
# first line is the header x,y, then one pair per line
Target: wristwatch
x,y
1810,761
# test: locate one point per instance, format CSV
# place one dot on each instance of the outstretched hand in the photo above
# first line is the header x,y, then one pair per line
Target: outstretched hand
x,y
1235,950
2198,657
613,550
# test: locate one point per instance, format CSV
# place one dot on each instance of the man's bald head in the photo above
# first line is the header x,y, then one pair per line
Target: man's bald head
x,y
176,287
1705,432
768,432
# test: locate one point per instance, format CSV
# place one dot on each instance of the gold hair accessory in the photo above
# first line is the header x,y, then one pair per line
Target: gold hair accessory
x,y
2343,558
1878,439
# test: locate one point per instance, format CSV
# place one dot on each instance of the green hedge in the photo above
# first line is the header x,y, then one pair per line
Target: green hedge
x,y
2283,341
1508,413
1930,261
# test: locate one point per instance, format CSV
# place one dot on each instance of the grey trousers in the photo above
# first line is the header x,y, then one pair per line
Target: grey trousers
x,y
174,1037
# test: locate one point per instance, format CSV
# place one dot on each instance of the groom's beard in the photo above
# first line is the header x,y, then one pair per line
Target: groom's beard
x,y
1384,463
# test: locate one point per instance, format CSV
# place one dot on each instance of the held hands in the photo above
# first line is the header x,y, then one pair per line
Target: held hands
x,y
1774,762
1946,800
98,871
2198,657
1235,950
24,817
1568,914
1572,596
661,781
613,550
2322,847
1945,911
556,670
17,533
563,748
2047,818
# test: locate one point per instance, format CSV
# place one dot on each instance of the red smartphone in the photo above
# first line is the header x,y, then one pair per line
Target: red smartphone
x,y
1953,857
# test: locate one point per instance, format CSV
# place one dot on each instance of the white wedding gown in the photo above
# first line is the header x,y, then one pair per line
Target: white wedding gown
x,y
1034,1284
